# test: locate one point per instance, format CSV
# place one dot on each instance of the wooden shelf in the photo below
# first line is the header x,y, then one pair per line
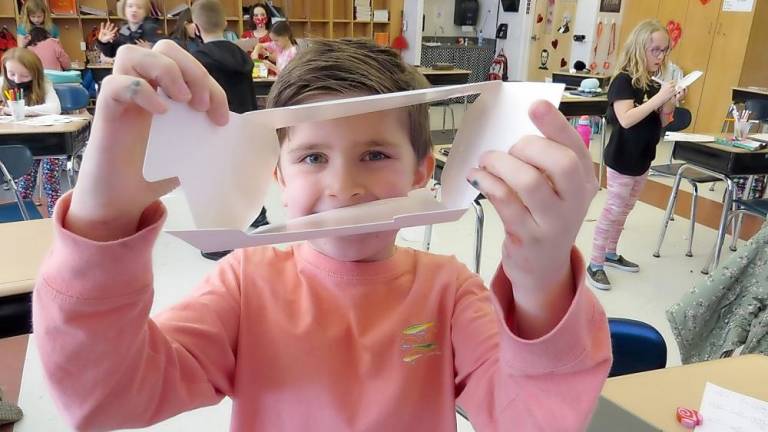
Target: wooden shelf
x,y
92,17
8,16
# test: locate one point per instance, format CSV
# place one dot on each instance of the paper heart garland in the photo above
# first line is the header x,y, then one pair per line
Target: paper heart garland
x,y
563,63
539,19
554,43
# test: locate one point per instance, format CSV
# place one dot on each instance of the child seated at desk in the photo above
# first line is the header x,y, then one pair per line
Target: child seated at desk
x,y
22,70
345,333
279,51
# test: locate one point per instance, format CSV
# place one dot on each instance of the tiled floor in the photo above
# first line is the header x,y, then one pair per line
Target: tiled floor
x,y
644,296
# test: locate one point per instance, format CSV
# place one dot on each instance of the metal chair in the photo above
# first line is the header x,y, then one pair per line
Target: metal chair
x,y
756,207
15,162
73,98
636,346
682,119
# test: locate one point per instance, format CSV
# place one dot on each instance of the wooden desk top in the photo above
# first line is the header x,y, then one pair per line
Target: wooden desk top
x,y
25,245
429,71
99,66
567,98
756,90
584,75
74,126
654,396
726,148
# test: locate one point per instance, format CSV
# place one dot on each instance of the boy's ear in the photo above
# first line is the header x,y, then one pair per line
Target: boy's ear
x,y
278,176
424,171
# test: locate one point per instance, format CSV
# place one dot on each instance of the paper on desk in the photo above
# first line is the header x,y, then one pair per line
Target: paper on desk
x,y
726,410
763,137
47,120
225,171
690,137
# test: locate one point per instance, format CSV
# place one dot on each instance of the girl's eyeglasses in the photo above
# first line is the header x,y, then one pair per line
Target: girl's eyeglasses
x,y
658,52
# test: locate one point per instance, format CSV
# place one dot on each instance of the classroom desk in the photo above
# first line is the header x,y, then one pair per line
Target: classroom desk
x,y
575,79
723,162
57,140
742,94
25,244
654,396
444,77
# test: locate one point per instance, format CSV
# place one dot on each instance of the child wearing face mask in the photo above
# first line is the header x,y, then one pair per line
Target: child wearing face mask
x,y
139,29
260,24
35,13
280,50
22,70
638,109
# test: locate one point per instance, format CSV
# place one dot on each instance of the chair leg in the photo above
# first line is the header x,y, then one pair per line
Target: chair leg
x,y
445,108
692,224
669,211
714,258
479,221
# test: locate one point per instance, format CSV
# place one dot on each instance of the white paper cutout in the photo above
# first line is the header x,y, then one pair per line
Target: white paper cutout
x,y
225,171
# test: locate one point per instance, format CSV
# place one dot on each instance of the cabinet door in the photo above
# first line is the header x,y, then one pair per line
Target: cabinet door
x,y
693,51
724,70
632,12
548,46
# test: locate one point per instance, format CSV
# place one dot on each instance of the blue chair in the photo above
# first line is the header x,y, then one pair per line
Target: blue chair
x,y
15,162
636,346
73,97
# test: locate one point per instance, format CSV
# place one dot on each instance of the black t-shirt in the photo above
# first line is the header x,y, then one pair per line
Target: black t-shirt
x,y
630,151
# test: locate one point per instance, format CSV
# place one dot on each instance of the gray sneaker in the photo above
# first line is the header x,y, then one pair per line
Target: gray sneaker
x,y
622,264
598,279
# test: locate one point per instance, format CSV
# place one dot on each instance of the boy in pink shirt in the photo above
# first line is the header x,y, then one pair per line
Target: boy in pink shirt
x,y
336,334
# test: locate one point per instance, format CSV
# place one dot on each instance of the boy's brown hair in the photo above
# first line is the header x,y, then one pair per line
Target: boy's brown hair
x,y
353,67
209,16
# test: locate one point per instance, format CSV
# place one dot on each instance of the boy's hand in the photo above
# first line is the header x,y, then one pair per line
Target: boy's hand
x,y
541,189
107,32
111,192
144,44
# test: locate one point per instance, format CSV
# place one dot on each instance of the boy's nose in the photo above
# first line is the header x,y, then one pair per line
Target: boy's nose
x,y
345,185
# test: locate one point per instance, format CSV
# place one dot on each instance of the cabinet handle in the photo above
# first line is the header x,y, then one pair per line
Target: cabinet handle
x,y
709,31
717,30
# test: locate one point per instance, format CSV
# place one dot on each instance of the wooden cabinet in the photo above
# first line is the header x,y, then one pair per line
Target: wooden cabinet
x,y
308,18
729,47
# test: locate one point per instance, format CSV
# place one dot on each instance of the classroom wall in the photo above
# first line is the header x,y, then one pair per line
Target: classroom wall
x,y
439,13
517,43
413,10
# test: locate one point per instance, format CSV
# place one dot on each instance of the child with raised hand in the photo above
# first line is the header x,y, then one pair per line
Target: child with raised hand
x,y
139,29
396,337
638,109
35,13
23,71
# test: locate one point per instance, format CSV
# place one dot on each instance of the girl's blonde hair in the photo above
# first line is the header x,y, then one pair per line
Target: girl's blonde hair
x,y
32,7
632,58
121,8
32,63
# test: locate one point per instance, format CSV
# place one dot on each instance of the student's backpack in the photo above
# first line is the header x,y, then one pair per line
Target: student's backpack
x,y
7,40
499,67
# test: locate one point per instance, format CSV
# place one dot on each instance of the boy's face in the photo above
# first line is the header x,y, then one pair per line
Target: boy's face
x,y
135,11
346,161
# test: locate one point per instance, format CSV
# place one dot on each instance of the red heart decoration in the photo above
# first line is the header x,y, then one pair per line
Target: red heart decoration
x,y
539,18
704,2
563,63
554,43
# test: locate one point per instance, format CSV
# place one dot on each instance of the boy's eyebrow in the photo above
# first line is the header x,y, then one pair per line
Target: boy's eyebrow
x,y
319,145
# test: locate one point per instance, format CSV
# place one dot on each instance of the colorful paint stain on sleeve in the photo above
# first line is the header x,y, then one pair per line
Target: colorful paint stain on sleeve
x,y
418,341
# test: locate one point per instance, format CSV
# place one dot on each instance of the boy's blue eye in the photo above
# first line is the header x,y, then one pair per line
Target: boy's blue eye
x,y
314,159
375,156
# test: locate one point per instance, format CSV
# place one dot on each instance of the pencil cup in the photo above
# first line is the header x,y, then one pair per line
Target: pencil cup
x,y
741,129
17,109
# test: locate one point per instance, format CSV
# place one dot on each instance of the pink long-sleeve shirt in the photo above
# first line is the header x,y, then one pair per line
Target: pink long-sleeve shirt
x,y
301,342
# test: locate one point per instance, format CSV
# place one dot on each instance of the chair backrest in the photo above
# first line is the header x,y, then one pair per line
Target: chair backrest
x,y
759,108
72,97
16,159
681,119
637,347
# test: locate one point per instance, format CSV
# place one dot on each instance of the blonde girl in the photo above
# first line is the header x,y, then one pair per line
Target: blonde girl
x,y
139,28
638,109
22,70
35,13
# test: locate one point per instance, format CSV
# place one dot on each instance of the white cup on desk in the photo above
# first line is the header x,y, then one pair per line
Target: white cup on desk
x,y
17,109
741,129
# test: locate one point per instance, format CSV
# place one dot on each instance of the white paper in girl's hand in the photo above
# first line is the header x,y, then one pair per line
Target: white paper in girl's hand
x,y
685,81
225,173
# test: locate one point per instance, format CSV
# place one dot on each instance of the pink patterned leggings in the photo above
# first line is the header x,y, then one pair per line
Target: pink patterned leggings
x,y
623,192
51,181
